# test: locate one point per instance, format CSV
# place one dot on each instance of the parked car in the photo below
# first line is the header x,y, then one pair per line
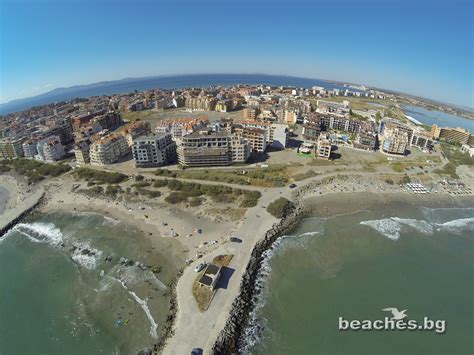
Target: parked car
x,y
199,267
292,186
196,351
235,240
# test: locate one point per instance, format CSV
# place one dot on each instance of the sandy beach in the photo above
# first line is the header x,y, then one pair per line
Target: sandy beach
x,y
173,230
20,198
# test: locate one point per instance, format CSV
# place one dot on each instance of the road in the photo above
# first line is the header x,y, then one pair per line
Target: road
x,y
195,329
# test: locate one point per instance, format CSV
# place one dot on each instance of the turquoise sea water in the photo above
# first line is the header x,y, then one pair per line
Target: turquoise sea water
x,y
353,266
58,295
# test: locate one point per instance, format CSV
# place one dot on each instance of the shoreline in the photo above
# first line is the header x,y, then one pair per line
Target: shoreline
x,y
231,338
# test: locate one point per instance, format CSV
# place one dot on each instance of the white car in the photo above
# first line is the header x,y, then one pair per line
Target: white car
x,y
199,267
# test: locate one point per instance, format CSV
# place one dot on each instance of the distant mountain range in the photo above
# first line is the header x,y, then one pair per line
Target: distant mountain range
x,y
155,82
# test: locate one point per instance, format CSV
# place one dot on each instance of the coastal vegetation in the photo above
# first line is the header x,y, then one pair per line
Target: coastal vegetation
x,y
279,207
455,158
263,177
184,191
99,177
33,170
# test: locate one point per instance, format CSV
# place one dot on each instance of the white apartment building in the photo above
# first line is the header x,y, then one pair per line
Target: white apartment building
x,y
154,150
108,149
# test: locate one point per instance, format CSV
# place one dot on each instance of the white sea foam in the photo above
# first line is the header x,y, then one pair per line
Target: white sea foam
x,y
133,274
144,306
39,232
89,260
387,226
458,225
392,227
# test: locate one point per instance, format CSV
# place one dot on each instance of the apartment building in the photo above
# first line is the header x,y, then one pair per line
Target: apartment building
x,y
50,149
181,127
11,148
336,108
365,141
458,135
224,105
108,149
251,113
422,139
394,138
200,103
240,150
29,148
111,120
136,129
276,133
257,138
324,147
205,148
82,152
154,150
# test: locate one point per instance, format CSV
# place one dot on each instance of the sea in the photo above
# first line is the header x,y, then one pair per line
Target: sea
x,y
442,119
355,265
81,283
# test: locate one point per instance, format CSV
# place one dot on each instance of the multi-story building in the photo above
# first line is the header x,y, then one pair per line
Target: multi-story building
x,y
324,147
154,150
251,113
108,149
111,120
205,148
366,141
458,135
224,105
11,148
29,148
82,152
240,150
276,132
422,139
336,108
200,103
257,138
394,137
50,149
136,129
180,127
331,122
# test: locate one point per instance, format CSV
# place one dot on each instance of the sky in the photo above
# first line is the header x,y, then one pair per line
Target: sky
x,y
419,47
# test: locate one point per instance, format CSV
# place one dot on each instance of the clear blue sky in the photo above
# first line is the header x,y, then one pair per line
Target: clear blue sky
x,y
420,47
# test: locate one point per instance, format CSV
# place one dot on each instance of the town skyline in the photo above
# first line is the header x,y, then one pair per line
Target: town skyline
x,y
344,48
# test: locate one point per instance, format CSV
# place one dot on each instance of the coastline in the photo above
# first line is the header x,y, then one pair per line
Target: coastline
x,y
231,338
231,311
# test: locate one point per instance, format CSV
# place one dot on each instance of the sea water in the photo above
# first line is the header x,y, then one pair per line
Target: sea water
x,y
442,119
59,295
353,266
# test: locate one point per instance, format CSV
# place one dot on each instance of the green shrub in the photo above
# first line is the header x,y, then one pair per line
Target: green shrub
x,y
139,178
160,183
175,197
195,201
279,207
251,199
99,177
149,193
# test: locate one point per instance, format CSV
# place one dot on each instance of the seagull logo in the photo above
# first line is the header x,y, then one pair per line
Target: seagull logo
x,y
397,315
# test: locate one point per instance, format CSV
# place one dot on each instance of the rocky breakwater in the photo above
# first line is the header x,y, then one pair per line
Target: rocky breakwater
x,y
8,225
230,339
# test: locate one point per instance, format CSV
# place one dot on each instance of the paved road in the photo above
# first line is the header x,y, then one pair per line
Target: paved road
x,y
200,329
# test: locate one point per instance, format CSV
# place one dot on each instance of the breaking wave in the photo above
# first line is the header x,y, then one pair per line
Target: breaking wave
x,y
39,232
393,226
143,304
85,255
